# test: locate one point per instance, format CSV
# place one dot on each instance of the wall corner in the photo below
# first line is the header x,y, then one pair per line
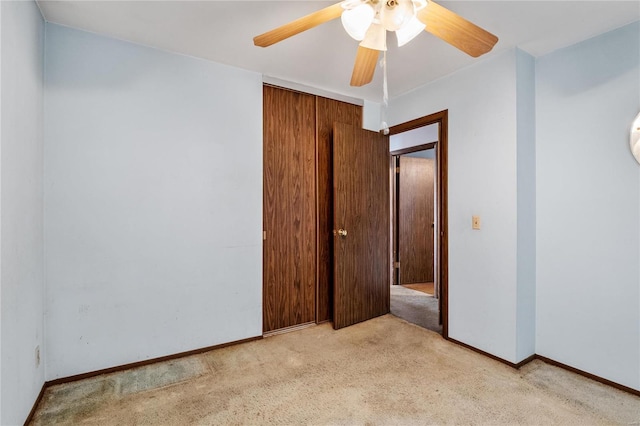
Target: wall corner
x,y
526,205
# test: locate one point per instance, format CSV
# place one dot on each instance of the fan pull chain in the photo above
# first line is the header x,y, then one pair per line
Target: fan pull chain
x,y
384,127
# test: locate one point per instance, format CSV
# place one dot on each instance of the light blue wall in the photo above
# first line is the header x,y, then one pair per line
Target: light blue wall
x,y
427,153
153,189
540,150
416,137
21,220
526,173
482,144
588,206
153,203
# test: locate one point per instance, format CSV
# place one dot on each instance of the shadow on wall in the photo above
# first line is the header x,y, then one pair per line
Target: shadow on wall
x,y
575,77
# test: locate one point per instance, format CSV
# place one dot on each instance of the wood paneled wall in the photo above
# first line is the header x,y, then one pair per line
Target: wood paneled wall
x,y
298,206
329,111
416,219
289,263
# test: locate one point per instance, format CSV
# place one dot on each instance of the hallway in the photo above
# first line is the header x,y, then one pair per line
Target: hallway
x,y
416,307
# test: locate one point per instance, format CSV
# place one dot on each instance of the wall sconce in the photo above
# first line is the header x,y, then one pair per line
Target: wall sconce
x,y
635,138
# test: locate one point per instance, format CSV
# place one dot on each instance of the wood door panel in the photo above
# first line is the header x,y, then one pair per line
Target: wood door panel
x,y
415,220
289,251
361,203
329,111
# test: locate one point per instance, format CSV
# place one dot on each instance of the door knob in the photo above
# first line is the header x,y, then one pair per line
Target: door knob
x,y
342,232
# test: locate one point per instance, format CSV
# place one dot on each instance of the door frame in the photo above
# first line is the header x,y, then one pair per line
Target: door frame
x,y
442,250
395,157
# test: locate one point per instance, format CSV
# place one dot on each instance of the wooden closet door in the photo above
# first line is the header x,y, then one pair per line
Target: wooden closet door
x,y
329,111
289,250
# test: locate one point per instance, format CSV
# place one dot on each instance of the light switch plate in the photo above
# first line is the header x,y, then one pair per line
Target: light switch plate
x,y
475,222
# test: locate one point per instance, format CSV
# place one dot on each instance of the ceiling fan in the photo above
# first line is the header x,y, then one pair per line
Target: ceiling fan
x,y
369,20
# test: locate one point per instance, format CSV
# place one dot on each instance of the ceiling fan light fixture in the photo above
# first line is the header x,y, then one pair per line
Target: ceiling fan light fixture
x,y
350,4
376,38
419,4
440,21
394,14
409,31
634,142
356,21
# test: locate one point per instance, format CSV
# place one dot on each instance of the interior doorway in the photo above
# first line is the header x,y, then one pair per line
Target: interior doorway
x,y
419,222
413,295
415,217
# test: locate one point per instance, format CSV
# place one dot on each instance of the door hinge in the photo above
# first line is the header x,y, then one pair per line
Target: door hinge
x,y
264,235
397,169
396,265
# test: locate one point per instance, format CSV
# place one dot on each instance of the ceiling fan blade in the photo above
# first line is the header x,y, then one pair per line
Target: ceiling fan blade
x,y
365,66
456,30
299,25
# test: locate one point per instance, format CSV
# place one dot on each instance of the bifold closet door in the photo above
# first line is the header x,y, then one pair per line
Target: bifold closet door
x,y
289,249
330,111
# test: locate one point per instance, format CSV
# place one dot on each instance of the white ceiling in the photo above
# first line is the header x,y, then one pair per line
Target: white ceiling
x,y
322,57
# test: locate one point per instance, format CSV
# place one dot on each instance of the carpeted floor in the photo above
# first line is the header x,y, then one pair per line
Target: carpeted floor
x,y
416,307
423,287
383,371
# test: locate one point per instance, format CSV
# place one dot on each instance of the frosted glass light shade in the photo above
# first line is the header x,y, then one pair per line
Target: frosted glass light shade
x,y
409,31
376,38
634,142
357,21
394,18
419,4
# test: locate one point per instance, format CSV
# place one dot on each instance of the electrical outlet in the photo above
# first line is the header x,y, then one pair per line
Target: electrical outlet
x,y
37,356
475,222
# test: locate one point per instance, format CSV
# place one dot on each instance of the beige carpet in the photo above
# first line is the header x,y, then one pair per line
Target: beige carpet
x,y
383,371
423,287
